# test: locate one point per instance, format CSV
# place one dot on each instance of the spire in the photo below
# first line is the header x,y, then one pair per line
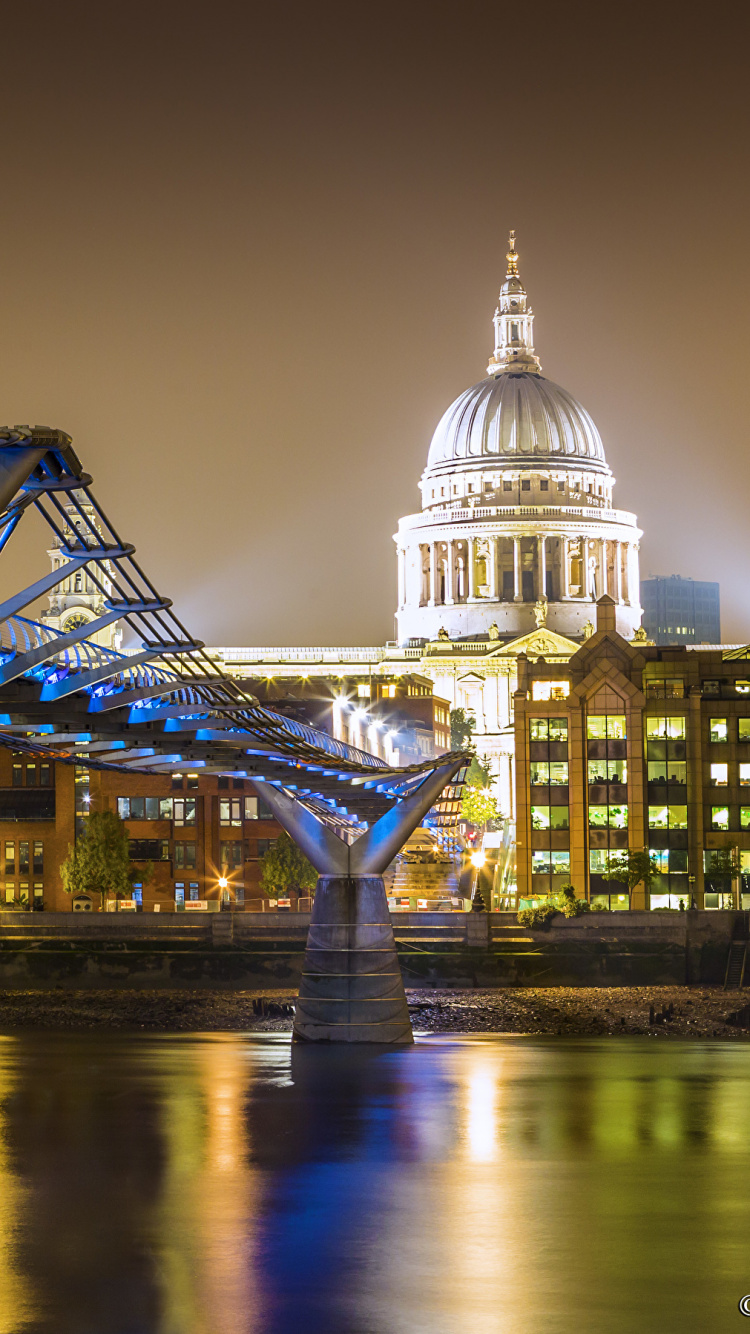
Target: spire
x,y
514,323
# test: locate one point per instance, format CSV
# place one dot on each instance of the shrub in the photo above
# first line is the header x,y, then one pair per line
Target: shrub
x,y
564,902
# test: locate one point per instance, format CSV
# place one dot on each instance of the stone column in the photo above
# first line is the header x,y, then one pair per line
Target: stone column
x,y
605,565
401,577
471,560
433,574
626,572
618,571
565,567
449,574
541,551
586,568
492,572
517,590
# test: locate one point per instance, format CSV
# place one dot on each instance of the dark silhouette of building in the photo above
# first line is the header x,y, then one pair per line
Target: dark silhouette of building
x,y
681,611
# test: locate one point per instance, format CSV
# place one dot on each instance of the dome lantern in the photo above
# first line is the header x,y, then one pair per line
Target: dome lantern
x,y
514,323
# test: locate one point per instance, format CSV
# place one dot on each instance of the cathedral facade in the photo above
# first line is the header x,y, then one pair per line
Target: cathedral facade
x,y
517,526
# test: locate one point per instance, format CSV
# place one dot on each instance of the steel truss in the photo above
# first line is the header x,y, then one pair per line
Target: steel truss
x,y
165,704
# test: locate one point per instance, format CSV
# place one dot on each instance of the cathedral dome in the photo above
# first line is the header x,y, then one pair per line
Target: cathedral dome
x,y
516,417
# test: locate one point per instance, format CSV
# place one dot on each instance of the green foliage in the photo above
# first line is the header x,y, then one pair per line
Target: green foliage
x,y
565,902
462,726
478,806
285,867
724,862
99,862
632,868
478,775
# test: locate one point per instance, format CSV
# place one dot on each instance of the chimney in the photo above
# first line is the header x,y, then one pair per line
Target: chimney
x,y
606,613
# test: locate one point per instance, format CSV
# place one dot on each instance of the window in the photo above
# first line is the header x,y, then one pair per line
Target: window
x,y
230,810
265,845
667,817
17,775
561,486
238,784
192,782
666,729
184,856
608,817
598,860
544,485
38,858
23,857
671,771
549,817
668,688
606,725
718,729
231,854
223,782
548,729
10,859
744,817
719,817
744,729
31,775
363,691
148,849
543,862
526,485
744,775
542,690
608,771
719,775
251,808
558,773
538,773
184,810
45,775
38,890
193,891
177,782
179,891
507,486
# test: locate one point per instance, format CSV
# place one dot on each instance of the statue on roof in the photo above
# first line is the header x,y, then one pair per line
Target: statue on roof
x,y
540,612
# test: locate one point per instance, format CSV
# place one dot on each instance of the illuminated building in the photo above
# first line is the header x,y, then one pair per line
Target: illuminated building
x,y
630,745
517,526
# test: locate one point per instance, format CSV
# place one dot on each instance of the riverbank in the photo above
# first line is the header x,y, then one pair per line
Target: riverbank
x,y
568,1011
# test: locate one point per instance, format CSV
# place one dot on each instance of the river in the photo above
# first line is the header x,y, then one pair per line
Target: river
x,y
224,1184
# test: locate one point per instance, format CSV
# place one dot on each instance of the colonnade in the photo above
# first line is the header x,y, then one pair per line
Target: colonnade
x,y
518,568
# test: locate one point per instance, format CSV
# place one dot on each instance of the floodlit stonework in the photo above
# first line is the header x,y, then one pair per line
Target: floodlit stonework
x,y
517,526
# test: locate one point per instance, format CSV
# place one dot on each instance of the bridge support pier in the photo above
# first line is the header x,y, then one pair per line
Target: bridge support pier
x,y
352,989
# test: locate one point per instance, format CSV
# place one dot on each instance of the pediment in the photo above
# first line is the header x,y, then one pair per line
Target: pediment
x,y
542,643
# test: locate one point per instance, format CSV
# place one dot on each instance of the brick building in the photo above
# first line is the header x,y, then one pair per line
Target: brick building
x,y
193,829
632,745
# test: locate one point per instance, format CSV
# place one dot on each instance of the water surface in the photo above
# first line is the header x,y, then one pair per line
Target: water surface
x,y
224,1184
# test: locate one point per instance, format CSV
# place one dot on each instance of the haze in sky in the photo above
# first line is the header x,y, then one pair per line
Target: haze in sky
x,y
249,253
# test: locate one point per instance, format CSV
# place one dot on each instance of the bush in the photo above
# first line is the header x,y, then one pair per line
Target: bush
x,y
565,902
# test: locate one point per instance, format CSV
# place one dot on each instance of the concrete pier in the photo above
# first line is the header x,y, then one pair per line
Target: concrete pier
x,y
351,988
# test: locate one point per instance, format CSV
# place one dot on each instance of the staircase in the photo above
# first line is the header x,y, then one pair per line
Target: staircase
x,y
426,880
734,977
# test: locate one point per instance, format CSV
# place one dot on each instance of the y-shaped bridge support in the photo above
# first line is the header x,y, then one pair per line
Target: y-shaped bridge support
x,y
351,988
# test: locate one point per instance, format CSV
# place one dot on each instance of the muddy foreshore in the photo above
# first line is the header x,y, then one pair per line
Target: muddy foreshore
x,y
700,1012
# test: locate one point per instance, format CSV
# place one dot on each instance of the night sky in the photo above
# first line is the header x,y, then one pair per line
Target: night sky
x,y
249,253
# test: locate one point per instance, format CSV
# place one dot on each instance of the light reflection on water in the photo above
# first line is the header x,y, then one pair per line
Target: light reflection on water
x,y
224,1184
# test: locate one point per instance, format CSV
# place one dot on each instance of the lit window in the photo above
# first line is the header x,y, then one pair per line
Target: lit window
x,y
606,725
608,771
744,728
542,690
538,773
720,775
744,817
558,773
745,775
719,817
548,729
666,729
363,691
718,729
560,863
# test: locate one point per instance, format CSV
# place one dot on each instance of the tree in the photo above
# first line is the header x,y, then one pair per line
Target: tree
x,y
99,863
724,864
478,775
285,867
462,726
478,806
632,868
